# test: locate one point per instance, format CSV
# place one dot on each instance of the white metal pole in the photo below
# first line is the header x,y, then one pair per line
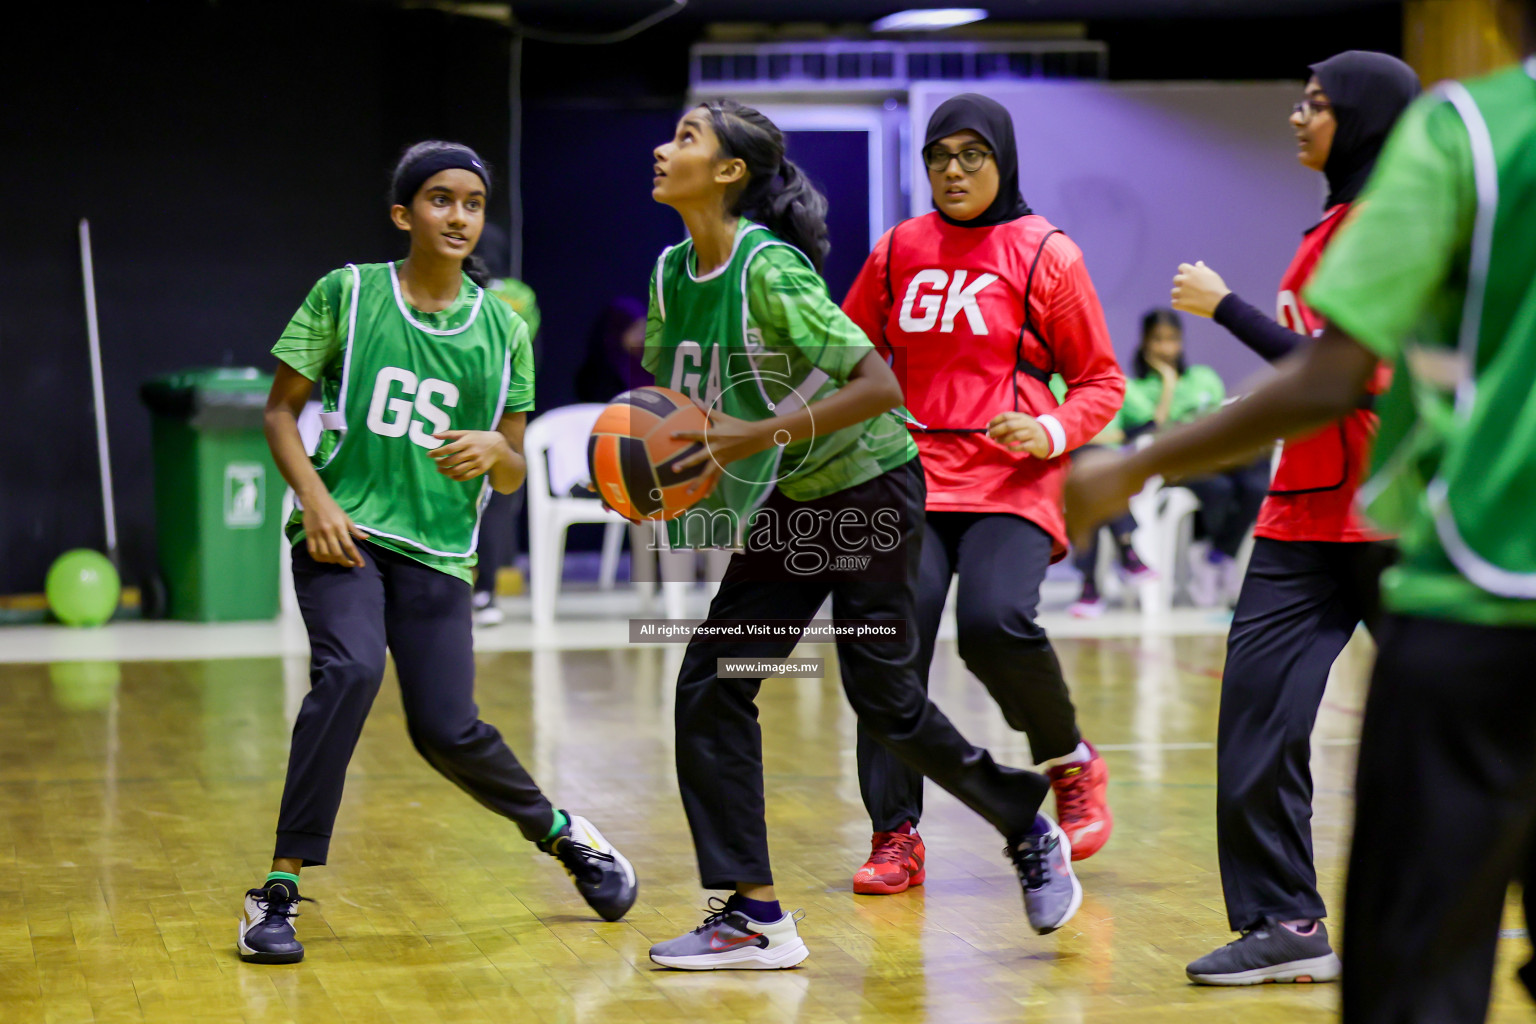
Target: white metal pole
x,y
93,332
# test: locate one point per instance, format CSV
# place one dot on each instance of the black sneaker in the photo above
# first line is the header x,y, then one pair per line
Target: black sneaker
x,y
266,927
1270,952
602,875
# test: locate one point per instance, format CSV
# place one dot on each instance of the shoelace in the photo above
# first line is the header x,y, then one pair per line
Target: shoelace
x,y
1073,797
893,848
1031,861
275,907
716,911
573,856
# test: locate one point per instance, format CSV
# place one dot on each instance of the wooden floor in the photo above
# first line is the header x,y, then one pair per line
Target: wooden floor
x,y
137,803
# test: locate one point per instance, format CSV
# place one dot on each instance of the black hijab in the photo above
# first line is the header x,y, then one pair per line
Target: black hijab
x,y
988,118
1368,92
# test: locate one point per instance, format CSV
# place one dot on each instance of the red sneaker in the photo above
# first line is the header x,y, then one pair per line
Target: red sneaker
x,y
1082,804
895,863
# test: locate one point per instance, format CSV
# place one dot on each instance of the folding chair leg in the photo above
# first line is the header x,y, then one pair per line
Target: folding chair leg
x,y
547,562
676,570
613,543
674,600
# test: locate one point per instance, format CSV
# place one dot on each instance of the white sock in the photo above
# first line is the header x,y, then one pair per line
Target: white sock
x,y
1078,756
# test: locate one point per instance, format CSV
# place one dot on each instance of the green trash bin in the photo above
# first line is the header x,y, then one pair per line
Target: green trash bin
x,y
218,496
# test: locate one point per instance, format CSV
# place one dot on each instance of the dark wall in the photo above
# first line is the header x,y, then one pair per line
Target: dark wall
x,y
591,230
226,158
1243,49
835,162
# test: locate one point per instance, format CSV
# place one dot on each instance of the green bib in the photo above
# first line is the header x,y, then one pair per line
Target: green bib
x,y
710,351
402,381
1465,441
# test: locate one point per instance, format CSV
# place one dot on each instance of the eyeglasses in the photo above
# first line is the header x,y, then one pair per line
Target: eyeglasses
x,y
937,158
1309,107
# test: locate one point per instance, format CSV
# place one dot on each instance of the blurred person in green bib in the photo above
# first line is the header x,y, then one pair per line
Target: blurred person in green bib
x,y
498,524
1435,273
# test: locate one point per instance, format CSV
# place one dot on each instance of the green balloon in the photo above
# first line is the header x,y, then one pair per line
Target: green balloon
x,y
83,588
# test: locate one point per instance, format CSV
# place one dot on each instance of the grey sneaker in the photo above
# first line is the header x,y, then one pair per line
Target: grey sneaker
x,y
1052,892
729,940
1270,952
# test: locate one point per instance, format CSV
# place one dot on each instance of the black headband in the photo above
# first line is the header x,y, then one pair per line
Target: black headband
x,y
413,177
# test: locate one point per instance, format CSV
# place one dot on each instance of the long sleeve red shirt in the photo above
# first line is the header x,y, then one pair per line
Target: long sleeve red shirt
x,y
1312,497
947,305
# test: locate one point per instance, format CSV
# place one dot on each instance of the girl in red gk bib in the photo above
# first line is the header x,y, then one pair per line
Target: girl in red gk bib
x,y
977,304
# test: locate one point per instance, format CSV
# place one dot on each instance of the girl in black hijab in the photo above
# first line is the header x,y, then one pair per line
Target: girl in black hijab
x,y
989,119
1368,92
978,305
1313,573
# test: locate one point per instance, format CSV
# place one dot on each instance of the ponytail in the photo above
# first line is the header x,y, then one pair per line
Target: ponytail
x,y
795,210
476,270
777,194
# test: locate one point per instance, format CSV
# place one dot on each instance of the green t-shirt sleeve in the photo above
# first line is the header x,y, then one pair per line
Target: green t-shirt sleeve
x,y
1058,386
1207,390
789,302
520,297
650,357
520,382
1377,279
313,340
1140,402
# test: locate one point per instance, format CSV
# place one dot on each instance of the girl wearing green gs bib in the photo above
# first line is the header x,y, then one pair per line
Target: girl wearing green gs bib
x,y
426,387
821,483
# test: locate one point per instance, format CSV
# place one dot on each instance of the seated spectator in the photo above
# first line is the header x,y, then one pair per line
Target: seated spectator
x,y
1163,389
613,353
1090,603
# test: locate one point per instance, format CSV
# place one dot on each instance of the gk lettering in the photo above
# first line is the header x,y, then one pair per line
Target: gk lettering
x,y
390,415
927,293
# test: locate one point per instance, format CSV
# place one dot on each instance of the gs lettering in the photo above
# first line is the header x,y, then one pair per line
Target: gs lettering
x,y
392,415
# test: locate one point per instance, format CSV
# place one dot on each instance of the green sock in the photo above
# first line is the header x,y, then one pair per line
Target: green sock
x,y
283,876
558,825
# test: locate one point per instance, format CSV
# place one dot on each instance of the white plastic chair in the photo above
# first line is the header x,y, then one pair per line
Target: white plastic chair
x,y
1164,519
1112,585
1165,524
1164,516
555,446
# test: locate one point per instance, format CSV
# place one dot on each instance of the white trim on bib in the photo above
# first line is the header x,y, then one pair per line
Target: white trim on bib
x,y
405,310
